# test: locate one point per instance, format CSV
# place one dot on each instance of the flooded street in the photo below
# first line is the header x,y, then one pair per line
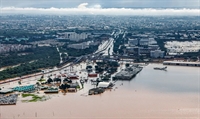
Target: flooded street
x,y
152,94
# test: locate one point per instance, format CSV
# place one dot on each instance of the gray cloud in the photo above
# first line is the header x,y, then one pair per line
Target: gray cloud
x,y
83,9
102,7
103,3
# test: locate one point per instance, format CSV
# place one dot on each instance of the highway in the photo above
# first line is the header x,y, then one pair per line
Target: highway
x,y
106,48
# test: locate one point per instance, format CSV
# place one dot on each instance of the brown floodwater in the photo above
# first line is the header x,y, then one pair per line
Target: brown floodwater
x,y
152,94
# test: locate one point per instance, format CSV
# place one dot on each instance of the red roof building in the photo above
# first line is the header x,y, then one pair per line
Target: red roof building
x,y
72,76
92,75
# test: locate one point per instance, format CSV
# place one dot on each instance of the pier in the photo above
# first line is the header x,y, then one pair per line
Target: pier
x,y
178,63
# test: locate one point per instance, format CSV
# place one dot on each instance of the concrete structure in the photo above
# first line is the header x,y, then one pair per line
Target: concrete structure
x,y
157,54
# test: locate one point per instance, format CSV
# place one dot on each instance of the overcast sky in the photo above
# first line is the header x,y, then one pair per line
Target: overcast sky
x,y
118,7
103,3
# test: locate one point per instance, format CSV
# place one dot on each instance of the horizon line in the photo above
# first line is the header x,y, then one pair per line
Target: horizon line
x,y
98,10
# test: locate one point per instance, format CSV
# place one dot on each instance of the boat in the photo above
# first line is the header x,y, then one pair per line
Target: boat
x,y
160,68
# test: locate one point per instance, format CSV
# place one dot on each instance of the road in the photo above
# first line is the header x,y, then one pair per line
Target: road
x,y
61,61
106,48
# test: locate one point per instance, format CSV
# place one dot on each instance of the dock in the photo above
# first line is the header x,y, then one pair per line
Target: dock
x,y
178,63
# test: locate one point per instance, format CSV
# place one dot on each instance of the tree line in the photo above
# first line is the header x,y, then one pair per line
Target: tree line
x,y
40,57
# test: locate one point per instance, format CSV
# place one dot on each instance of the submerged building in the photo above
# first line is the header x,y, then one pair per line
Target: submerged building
x,y
128,73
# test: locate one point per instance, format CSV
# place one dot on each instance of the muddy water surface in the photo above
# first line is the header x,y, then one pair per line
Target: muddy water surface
x,y
152,94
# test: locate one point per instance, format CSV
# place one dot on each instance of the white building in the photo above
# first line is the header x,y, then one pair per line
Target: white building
x,y
133,42
157,54
144,41
76,36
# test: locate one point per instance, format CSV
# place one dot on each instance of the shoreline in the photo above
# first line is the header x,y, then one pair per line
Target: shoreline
x,y
70,64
